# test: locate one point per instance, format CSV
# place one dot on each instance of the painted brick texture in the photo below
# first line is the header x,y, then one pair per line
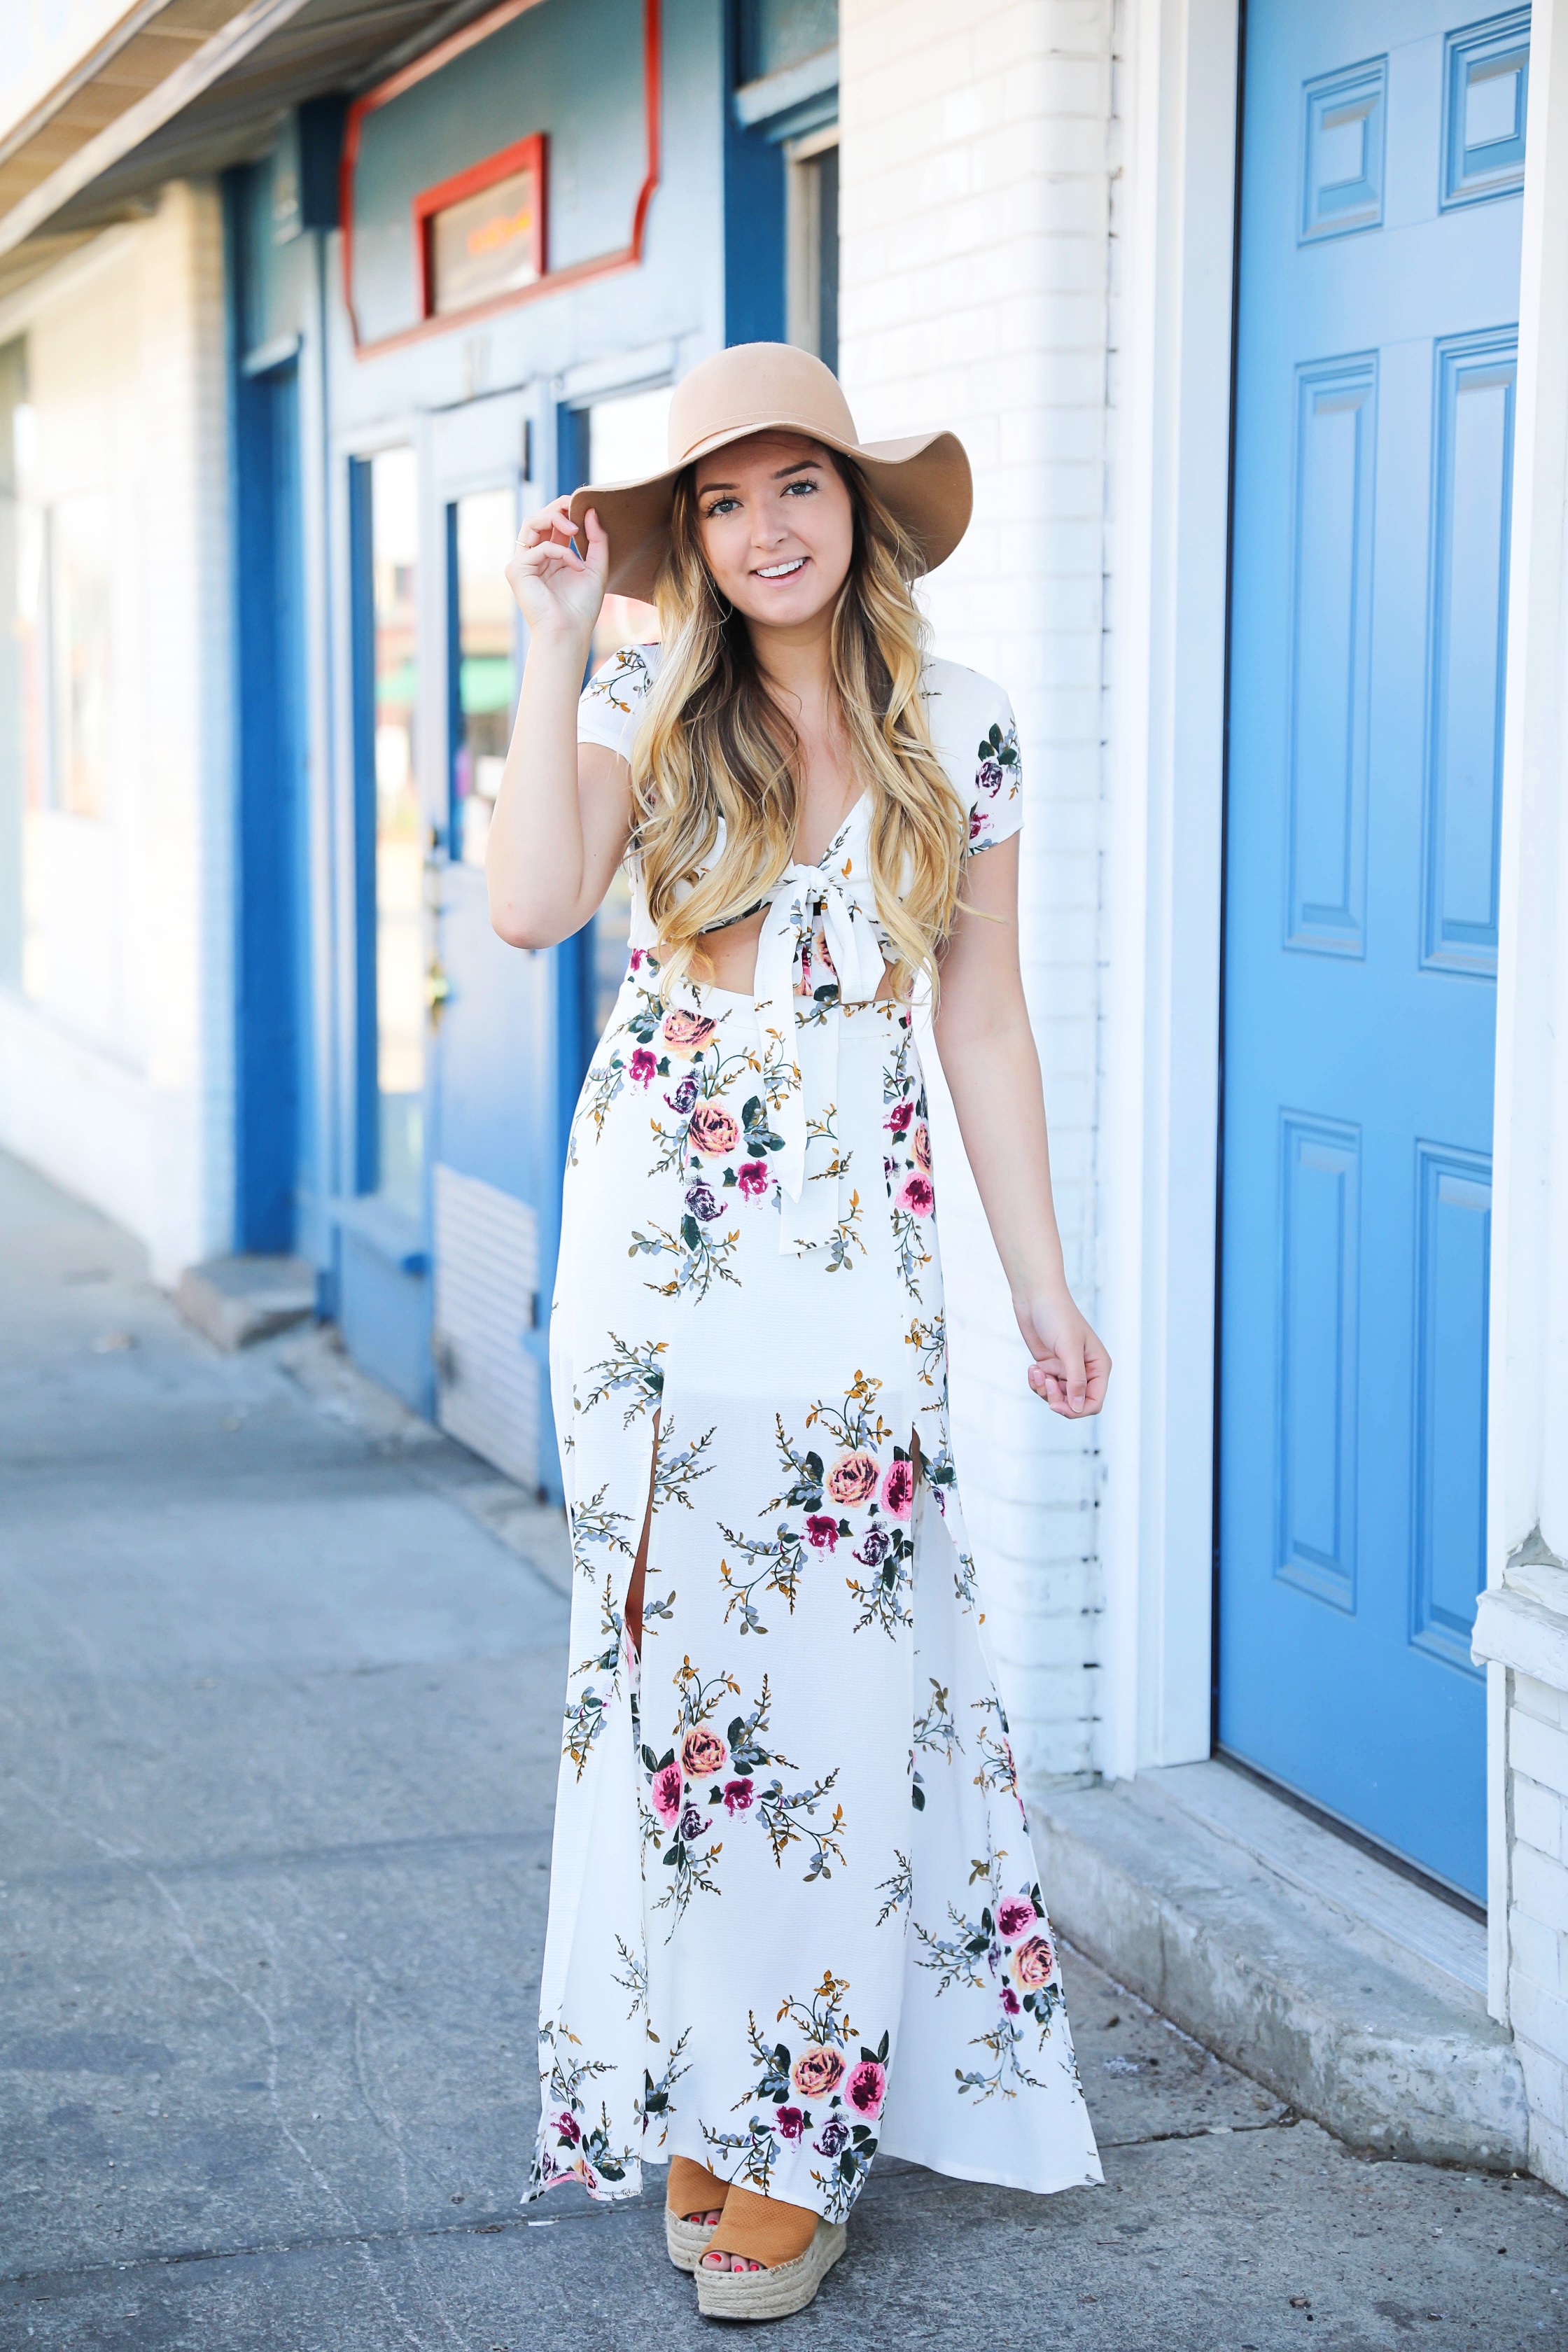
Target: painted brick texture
x,y
974,217
1538,1912
116,1076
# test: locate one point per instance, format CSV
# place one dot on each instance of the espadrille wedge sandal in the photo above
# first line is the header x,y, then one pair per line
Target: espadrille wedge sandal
x,y
771,2293
687,2241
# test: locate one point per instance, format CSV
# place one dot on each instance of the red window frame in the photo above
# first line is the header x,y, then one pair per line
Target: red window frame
x,y
600,266
523,154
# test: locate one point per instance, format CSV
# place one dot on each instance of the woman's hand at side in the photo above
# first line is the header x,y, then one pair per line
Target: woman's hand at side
x,y
560,826
993,1074
1070,1367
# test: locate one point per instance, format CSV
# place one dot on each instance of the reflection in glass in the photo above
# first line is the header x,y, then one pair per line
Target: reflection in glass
x,y
28,679
483,534
80,651
626,436
399,836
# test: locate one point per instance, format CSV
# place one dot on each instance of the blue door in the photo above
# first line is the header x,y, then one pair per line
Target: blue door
x,y
494,1170
1382,157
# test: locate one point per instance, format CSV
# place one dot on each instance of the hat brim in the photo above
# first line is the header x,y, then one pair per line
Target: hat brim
x,y
923,480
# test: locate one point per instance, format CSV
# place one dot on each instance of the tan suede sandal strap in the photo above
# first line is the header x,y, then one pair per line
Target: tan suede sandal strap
x,y
762,2229
693,2188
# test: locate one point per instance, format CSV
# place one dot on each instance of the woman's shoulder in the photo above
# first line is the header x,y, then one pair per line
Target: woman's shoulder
x,y
954,693
625,680
976,740
611,703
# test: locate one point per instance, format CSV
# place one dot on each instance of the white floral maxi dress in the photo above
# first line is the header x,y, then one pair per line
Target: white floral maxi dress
x,y
794,1913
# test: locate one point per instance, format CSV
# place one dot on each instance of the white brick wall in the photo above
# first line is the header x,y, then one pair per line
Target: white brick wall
x,y
1536,1742
974,217
116,1079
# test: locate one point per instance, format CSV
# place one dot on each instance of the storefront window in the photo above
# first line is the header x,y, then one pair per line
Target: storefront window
x,y
812,232
20,795
627,436
80,658
483,532
399,830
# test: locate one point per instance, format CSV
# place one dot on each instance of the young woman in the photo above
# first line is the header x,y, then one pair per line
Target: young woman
x,y
793,1914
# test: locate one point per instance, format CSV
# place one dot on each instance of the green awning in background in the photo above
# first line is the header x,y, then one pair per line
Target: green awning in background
x,y
486,683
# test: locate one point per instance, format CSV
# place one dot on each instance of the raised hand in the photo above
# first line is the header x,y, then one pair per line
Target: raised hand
x,y
558,591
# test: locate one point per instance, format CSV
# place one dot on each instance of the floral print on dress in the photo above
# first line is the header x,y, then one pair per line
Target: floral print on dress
x,y
786,1784
997,787
825,2089
709,1776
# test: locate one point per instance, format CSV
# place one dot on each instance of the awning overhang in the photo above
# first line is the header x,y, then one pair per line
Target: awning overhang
x,y
181,88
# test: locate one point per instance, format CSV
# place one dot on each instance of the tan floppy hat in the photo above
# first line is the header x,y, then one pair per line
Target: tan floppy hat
x,y
924,480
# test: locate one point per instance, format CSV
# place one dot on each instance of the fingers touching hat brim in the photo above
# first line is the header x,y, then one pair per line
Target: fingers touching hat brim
x,y
924,481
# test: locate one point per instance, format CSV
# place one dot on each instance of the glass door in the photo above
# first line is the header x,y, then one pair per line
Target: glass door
x,y
614,439
399,832
483,671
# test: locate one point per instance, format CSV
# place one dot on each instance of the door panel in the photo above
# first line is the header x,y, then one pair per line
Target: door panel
x,y
495,1174
1382,153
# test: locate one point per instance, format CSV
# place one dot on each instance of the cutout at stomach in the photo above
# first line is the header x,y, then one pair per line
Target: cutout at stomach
x,y
728,959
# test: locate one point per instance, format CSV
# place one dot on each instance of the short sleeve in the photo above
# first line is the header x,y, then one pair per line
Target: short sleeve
x,y
610,708
996,796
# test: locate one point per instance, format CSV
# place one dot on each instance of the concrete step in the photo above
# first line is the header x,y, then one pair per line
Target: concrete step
x,y
234,1301
1346,1989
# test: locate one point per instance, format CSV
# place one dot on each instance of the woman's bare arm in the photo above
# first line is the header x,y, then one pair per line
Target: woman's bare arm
x,y
993,1074
561,818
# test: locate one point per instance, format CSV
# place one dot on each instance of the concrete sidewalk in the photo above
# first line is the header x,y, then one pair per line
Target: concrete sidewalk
x,y
278,1742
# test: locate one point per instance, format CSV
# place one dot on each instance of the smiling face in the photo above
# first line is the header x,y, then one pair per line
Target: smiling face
x,y
777,527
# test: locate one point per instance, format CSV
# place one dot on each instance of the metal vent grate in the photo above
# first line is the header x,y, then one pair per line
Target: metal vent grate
x,y
486,1302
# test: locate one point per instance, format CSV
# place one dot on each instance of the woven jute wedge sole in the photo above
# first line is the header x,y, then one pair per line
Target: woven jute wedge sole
x,y
686,2241
773,2293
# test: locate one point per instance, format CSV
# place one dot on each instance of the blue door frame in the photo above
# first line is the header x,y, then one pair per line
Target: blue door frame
x,y
1382,152
273,1141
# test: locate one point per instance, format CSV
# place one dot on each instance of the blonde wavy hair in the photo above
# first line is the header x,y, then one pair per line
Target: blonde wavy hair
x,y
713,743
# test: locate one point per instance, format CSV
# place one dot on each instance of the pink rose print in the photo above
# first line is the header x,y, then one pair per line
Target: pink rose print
x,y
1034,1963
644,1067
666,1796
899,1118
567,2126
637,958
737,1796
977,818
753,1176
1016,1914
702,1752
919,1144
822,1532
916,1195
790,2123
686,1033
714,1130
816,2071
899,1489
853,1478
867,2087
1010,2001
